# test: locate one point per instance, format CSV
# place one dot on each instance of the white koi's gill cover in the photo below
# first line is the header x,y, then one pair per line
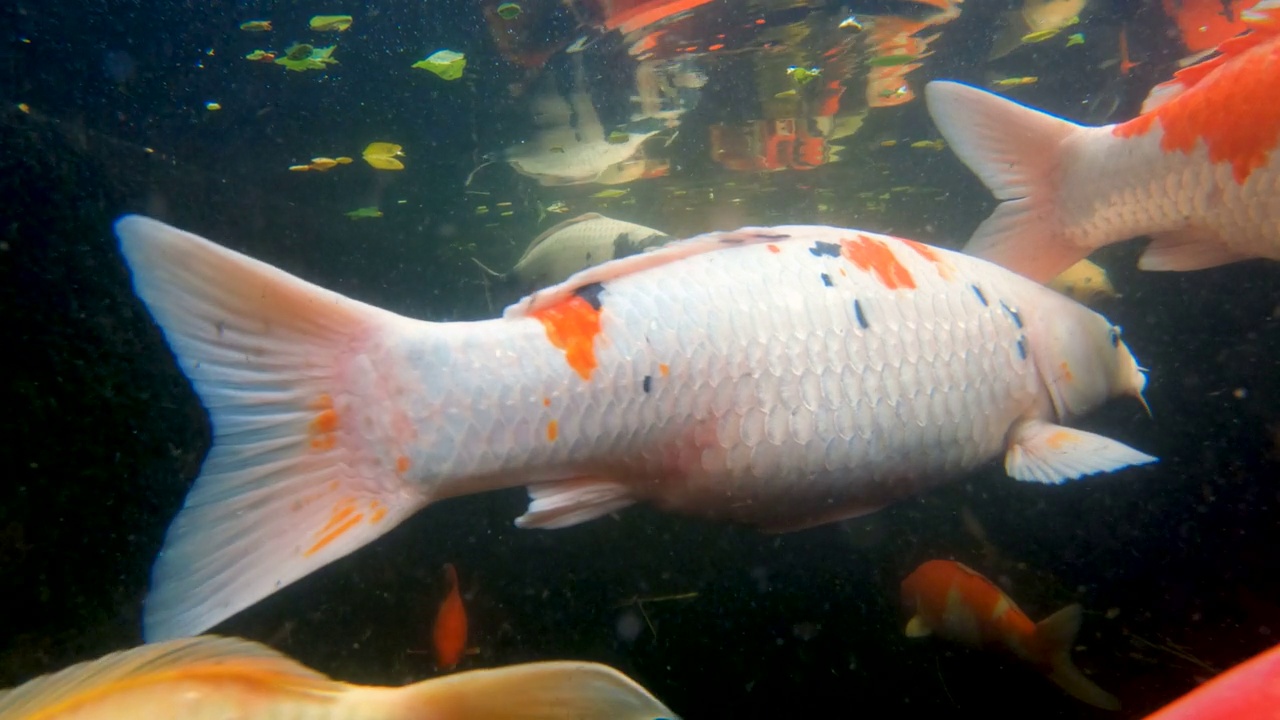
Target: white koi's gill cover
x,y
783,377
1198,170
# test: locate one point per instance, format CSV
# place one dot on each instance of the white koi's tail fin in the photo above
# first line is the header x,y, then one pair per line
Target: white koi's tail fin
x,y
307,462
1017,152
1056,635
532,691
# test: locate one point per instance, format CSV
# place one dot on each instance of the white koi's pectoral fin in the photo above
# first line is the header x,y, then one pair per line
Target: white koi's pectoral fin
x,y
1047,453
295,479
917,628
1185,250
564,503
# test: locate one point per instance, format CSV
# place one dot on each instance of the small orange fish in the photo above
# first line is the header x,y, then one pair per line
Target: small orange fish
x,y
955,602
450,631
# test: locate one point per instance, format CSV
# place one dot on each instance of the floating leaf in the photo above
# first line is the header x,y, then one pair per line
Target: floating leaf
x,y
382,155
330,23
509,11
256,26
364,212
445,63
303,57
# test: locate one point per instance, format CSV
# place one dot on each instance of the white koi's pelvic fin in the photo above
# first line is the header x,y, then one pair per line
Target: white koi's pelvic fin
x,y
291,483
1016,151
1056,635
1186,250
1047,453
564,503
532,691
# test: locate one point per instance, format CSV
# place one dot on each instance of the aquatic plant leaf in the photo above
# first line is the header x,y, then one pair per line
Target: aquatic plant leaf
x,y
445,63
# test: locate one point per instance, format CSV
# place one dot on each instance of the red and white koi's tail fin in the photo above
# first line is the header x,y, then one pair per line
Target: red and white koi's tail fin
x,y
306,464
1017,152
1056,635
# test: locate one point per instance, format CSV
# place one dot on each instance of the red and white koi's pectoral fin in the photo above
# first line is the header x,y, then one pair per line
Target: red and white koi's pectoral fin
x,y
1043,452
300,474
1185,250
1056,635
1016,151
562,503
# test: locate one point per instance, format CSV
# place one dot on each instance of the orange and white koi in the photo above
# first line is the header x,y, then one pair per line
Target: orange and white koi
x,y
957,603
1248,691
449,633
210,677
1198,170
783,377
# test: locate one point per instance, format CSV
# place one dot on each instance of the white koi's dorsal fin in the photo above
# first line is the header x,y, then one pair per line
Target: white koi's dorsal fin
x,y
557,228
207,657
532,691
1055,636
652,257
1043,452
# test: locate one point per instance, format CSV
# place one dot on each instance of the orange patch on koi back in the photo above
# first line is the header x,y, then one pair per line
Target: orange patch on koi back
x,y
1228,103
774,248
344,517
378,511
870,254
553,431
945,271
572,326
664,369
402,464
1066,372
546,402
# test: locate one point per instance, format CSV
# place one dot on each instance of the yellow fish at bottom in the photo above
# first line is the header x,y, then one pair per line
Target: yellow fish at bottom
x,y
221,677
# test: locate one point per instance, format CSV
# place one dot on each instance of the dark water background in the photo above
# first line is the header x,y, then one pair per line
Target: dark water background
x,y
101,435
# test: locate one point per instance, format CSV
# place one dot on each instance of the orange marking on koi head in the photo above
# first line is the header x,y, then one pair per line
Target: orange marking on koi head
x,y
773,248
945,271
1227,103
873,255
553,431
572,326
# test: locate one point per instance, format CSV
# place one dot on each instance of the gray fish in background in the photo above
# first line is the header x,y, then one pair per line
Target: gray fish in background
x,y
577,244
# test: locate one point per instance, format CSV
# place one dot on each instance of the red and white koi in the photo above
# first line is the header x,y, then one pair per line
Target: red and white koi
x,y
1198,170
957,603
784,377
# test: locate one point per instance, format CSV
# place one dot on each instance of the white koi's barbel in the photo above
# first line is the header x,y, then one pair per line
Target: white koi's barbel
x,y
784,377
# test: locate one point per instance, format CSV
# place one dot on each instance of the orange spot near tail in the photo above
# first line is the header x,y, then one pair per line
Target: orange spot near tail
x,y
344,517
870,254
325,424
449,634
572,326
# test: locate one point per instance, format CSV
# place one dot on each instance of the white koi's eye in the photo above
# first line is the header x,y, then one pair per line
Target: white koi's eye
x,y
1115,336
